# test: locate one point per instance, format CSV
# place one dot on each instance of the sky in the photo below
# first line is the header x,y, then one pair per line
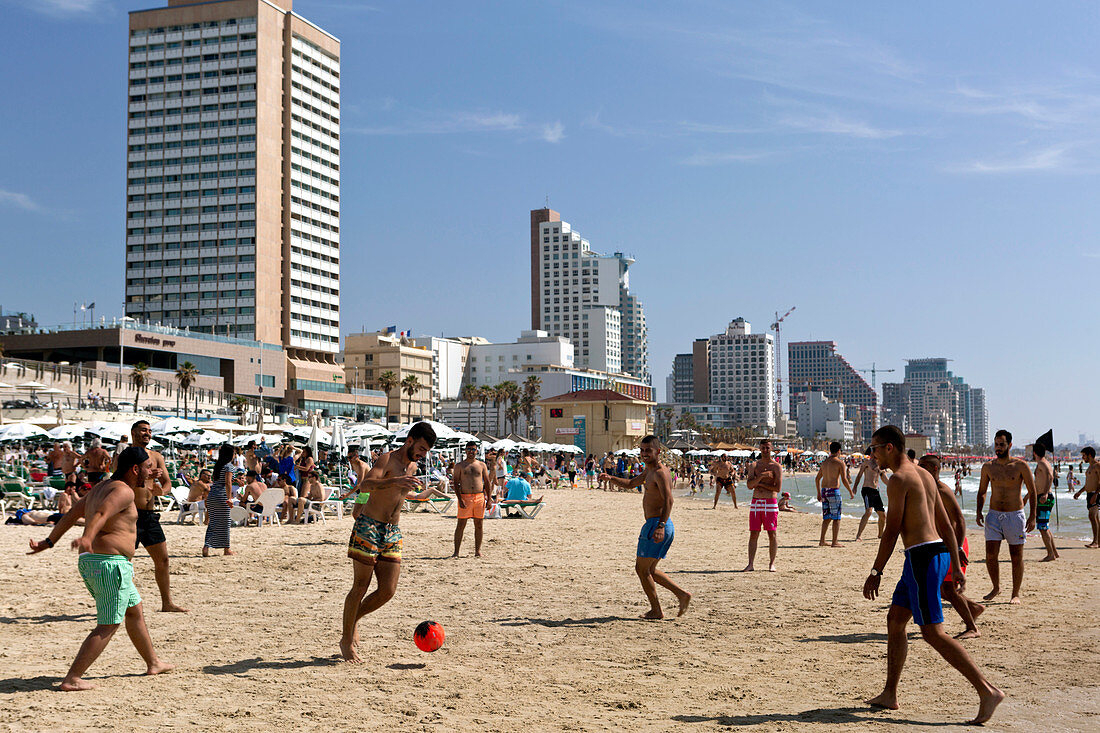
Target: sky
x,y
916,179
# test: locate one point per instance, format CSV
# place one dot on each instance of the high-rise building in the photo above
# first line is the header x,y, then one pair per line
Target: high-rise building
x,y
977,420
742,376
935,402
585,297
233,174
368,356
683,380
816,366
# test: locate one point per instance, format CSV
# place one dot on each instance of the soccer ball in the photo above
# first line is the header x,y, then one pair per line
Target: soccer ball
x,y
428,636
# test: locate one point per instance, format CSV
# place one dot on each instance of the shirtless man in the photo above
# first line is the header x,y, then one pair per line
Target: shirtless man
x,y
149,532
726,479
1091,489
97,462
1005,520
311,491
765,478
69,461
872,499
53,461
472,486
254,488
916,513
1044,499
967,609
375,545
251,460
198,491
657,532
828,480
106,555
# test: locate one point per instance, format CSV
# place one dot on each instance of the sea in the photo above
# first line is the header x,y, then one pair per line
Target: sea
x,y
1069,520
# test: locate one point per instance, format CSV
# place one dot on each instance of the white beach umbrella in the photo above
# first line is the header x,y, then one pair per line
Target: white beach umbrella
x,y
5,385
173,425
504,444
242,440
67,432
22,431
441,430
367,430
313,438
222,426
109,430
31,385
54,390
339,441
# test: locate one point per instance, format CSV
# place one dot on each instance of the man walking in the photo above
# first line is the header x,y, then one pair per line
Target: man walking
x,y
1005,520
657,531
472,486
872,499
106,565
914,512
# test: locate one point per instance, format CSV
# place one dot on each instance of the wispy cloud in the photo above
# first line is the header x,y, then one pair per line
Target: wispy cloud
x,y
1048,159
703,159
835,125
1091,255
553,133
65,8
19,200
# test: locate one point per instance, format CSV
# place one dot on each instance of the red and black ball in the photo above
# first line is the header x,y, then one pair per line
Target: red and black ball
x,y
428,636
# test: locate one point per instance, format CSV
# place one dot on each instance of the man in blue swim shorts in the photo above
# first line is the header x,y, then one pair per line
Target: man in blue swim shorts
x,y
657,532
828,480
915,511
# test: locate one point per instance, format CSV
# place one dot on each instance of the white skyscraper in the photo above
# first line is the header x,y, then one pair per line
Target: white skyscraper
x,y
742,374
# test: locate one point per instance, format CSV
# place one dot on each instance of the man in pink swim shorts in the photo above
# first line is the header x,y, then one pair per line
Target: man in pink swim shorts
x,y
765,478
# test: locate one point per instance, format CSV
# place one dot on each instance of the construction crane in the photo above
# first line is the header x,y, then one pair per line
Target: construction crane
x,y
779,353
873,372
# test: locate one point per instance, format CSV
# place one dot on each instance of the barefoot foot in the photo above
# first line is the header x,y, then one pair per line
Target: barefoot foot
x,y
206,552
968,634
1015,600
772,568
653,615
75,685
883,700
347,651
989,703
836,544
976,609
684,601
172,608
748,568
1048,558
228,552
159,667
991,594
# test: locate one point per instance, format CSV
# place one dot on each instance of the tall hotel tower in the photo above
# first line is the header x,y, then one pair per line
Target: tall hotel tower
x,y
233,175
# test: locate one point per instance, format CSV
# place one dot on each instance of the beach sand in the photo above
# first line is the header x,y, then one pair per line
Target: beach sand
x,y
542,634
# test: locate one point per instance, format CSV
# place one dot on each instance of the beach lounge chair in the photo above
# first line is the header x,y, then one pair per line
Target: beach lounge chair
x,y
270,501
187,508
15,494
529,509
437,504
333,502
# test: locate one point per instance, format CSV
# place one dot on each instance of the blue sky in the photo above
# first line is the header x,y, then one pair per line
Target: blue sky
x,y
919,180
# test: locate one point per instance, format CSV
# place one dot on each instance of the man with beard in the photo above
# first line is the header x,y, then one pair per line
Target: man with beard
x,y
726,479
1005,520
765,478
657,531
472,488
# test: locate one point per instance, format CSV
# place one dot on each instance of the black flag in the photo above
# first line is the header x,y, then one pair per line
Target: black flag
x,y
1046,440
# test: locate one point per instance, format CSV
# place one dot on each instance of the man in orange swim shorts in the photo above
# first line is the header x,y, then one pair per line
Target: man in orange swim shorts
x,y
472,486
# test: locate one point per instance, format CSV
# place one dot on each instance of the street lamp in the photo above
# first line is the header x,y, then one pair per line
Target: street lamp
x,y
122,344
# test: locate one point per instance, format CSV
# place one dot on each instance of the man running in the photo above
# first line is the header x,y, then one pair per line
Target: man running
x,y
872,499
657,531
914,512
1091,489
828,480
765,478
375,544
106,565
96,462
149,532
472,486
724,475
1044,498
1005,520
967,609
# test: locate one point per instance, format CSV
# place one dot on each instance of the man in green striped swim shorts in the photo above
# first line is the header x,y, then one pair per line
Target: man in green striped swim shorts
x,y
106,549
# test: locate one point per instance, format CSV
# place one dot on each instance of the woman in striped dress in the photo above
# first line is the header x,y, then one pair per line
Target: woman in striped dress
x,y
218,503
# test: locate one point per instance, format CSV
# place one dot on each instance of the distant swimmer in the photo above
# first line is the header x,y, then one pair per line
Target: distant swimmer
x,y
832,473
958,482
1091,490
1005,520
914,512
872,499
967,609
1045,483
657,531
765,478
726,478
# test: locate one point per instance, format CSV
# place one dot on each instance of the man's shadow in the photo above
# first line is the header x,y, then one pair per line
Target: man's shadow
x,y
854,638
28,684
246,665
847,715
558,623
46,618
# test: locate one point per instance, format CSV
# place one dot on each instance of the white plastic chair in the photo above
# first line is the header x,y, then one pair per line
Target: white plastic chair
x,y
270,501
333,502
187,508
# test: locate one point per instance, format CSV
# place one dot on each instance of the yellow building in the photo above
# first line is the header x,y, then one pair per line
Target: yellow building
x,y
595,420
367,356
922,444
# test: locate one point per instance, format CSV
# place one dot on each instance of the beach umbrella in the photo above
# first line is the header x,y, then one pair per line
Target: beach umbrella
x,y
22,431
242,440
32,385
222,426
67,432
441,430
312,442
339,440
173,425
504,444
367,430
54,390
110,430
5,385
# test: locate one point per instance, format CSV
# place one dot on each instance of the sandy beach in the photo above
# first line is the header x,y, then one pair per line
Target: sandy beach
x,y
542,634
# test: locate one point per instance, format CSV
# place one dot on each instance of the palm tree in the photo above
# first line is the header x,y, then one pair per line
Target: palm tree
x,y
512,413
498,398
186,373
532,386
509,393
387,380
410,385
239,404
469,396
484,394
139,377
